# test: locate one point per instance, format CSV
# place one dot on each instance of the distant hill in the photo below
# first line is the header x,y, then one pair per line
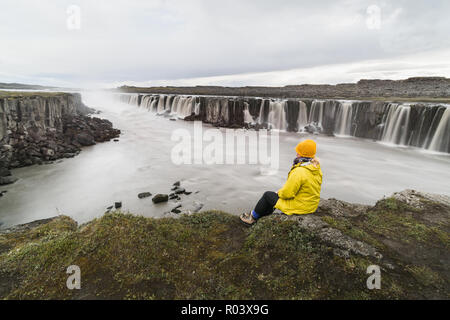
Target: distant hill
x,y
22,86
424,87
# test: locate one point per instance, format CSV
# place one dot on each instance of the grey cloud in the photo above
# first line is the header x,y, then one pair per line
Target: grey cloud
x,y
154,40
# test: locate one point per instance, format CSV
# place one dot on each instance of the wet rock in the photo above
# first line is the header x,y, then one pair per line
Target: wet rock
x,y
69,155
179,190
187,193
118,205
116,140
109,208
144,195
7,180
160,198
176,184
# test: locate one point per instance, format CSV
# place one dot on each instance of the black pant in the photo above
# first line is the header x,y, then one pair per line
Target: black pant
x,y
265,205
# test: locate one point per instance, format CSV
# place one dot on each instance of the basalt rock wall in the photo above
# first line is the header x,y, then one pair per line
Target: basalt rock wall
x,y
46,127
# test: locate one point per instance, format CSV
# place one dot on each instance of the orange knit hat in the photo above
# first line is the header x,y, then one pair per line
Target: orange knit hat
x,y
306,148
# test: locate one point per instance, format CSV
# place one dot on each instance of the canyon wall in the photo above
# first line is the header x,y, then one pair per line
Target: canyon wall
x,y
40,127
422,125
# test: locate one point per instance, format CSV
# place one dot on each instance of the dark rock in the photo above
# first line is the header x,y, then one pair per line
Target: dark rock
x,y
179,190
109,208
85,139
43,129
176,211
144,195
116,140
69,155
7,180
176,184
4,172
187,193
160,198
118,205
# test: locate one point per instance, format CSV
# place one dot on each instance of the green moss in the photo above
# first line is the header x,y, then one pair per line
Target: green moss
x,y
426,276
352,229
209,255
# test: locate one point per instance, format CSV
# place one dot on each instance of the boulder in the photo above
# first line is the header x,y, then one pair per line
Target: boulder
x,y
160,198
144,195
7,180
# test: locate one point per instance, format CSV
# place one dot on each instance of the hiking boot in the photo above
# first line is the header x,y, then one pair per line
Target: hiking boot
x,y
247,219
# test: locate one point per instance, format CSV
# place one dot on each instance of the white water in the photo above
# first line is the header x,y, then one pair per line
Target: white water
x,y
344,118
302,120
316,115
355,170
277,115
442,135
396,128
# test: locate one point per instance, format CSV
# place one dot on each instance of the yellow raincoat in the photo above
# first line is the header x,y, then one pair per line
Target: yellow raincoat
x,y
301,192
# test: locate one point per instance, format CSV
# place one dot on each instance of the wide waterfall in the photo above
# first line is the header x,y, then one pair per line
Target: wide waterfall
x,y
421,125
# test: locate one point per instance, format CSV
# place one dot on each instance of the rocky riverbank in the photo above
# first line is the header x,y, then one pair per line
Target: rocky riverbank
x,y
211,255
42,127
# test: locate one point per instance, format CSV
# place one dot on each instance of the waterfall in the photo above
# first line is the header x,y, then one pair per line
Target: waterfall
x,y
397,121
247,116
134,100
261,112
185,107
161,104
441,138
302,119
277,115
421,125
316,114
343,124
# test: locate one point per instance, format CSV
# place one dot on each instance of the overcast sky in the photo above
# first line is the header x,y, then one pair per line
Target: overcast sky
x,y
233,42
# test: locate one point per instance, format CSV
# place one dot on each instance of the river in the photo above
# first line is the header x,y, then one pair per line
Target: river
x,y
355,170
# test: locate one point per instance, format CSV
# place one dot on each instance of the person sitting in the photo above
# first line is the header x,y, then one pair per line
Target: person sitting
x,y
301,192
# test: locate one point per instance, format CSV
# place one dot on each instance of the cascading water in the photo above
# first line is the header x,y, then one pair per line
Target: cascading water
x,y
247,116
316,114
396,127
261,119
277,115
344,119
420,125
302,119
161,104
441,138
